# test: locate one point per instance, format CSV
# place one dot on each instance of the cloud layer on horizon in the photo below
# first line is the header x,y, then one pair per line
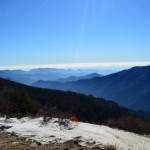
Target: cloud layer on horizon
x,y
78,65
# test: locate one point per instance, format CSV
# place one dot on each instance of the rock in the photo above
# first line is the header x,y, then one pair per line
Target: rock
x,y
12,120
3,127
52,136
91,143
39,143
15,143
34,144
13,134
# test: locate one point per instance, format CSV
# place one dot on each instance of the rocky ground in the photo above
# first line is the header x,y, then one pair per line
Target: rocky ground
x,y
13,142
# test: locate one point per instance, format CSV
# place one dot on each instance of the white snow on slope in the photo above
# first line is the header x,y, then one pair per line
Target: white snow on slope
x,y
87,134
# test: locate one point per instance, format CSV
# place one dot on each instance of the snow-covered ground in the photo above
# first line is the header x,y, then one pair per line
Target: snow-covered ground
x,y
85,133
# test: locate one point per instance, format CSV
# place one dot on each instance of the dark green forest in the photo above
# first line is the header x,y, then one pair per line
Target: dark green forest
x,y
18,100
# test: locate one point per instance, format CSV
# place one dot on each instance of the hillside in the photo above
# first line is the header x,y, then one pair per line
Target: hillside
x,y
20,99
129,88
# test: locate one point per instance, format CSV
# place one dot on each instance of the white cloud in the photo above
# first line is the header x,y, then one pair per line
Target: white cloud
x,y
78,65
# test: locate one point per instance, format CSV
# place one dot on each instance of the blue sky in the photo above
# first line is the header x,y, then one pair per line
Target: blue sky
x,y
34,32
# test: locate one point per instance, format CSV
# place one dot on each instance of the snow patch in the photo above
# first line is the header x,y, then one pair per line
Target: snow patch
x,y
84,133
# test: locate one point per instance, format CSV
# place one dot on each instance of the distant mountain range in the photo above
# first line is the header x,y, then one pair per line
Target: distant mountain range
x,y
76,78
51,74
129,88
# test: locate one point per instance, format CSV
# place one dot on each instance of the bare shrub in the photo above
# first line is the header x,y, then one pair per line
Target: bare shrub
x,y
131,124
110,147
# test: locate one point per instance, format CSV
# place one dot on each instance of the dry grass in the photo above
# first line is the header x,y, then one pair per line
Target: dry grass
x,y
12,142
132,124
112,147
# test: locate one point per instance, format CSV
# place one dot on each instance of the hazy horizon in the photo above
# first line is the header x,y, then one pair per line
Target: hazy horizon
x,y
103,66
